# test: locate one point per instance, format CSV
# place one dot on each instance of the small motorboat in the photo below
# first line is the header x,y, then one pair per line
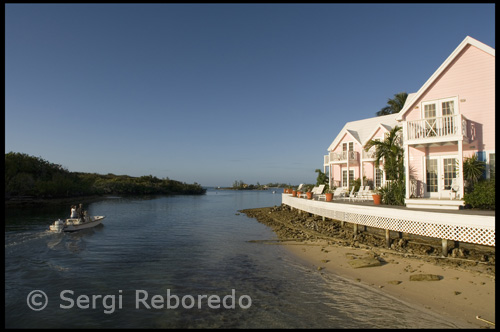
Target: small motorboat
x,y
75,224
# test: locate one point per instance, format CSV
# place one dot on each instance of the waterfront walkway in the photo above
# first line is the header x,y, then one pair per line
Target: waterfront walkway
x,y
472,226
462,211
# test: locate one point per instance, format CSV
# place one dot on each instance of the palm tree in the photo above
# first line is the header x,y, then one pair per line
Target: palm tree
x,y
473,169
394,105
322,178
392,152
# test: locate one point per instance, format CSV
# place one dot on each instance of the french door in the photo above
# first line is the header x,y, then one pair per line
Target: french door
x,y
440,172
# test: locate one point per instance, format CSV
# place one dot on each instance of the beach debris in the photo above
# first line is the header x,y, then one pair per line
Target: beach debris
x,y
394,282
425,277
484,320
364,262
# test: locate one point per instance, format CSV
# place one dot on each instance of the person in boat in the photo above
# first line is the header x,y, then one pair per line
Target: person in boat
x,y
79,212
73,212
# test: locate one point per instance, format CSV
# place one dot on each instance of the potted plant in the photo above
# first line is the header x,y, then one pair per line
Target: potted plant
x,y
309,193
294,193
329,194
377,197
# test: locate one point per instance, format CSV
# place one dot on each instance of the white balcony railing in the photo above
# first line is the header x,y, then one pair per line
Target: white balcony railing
x,y
370,154
342,156
326,160
436,128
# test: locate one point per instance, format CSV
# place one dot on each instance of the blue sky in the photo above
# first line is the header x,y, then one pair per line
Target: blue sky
x,y
214,93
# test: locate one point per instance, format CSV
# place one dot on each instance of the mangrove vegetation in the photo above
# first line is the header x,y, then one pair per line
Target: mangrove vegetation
x,y
33,177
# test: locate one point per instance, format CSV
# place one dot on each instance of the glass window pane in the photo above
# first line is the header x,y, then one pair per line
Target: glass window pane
x,y
447,107
449,168
430,111
378,177
492,165
432,176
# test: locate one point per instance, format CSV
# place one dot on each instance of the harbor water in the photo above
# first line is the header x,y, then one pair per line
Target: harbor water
x,y
178,262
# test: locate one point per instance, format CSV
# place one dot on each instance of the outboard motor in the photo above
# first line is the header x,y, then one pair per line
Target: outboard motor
x,y
57,226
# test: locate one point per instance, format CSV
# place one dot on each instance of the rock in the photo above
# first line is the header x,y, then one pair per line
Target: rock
x,y
425,277
364,262
394,282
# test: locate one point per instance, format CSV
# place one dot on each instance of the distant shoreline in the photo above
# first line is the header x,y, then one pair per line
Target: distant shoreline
x,y
23,201
230,188
33,201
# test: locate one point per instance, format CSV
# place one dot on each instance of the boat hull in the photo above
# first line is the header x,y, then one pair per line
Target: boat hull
x,y
73,225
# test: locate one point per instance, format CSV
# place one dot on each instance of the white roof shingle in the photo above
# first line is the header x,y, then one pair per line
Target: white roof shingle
x,y
362,130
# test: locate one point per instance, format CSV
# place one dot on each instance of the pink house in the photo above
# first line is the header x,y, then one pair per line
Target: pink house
x,y
347,160
451,117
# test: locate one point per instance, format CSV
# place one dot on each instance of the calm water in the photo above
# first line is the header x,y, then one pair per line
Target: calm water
x,y
155,249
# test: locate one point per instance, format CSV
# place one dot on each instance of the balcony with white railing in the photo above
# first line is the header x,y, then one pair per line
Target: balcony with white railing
x,y
436,130
326,160
370,154
341,157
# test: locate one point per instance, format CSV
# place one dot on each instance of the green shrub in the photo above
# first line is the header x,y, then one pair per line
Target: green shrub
x,y
393,193
483,195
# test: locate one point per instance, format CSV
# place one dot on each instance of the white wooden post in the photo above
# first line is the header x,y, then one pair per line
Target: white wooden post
x,y
347,166
460,168
407,169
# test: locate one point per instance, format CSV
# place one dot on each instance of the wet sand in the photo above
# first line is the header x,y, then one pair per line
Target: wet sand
x,y
459,288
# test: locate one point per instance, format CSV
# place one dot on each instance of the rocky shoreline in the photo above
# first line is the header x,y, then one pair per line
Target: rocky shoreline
x,y
460,286
291,224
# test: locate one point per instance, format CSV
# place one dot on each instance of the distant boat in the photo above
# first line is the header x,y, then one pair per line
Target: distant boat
x,y
75,224
274,191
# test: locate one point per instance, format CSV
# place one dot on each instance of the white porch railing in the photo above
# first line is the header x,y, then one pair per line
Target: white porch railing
x,y
457,227
445,127
370,154
326,160
342,156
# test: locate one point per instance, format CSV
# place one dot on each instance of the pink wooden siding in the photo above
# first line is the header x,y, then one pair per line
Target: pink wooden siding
x,y
379,133
368,170
470,78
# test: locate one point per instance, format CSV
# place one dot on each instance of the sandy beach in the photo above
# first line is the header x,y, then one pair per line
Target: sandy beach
x,y
458,288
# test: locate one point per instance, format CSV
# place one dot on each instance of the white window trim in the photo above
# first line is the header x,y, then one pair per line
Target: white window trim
x,y
348,143
488,153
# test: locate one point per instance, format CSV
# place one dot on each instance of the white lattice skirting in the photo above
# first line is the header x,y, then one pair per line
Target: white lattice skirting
x,y
457,227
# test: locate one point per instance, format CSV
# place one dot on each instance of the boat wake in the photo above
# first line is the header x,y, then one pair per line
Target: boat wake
x,y
12,240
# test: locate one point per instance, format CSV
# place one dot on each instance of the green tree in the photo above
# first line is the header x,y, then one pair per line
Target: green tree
x,y
322,178
394,105
392,153
473,169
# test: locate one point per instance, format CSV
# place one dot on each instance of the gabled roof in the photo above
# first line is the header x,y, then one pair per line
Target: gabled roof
x,y
409,104
374,131
361,130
